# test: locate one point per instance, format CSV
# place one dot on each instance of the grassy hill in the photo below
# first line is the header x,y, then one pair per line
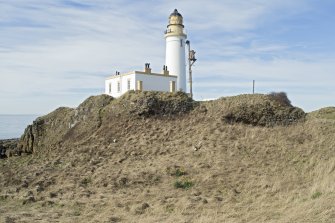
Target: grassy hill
x,y
159,157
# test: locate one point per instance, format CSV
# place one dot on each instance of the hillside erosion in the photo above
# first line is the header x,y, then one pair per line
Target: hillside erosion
x,y
67,125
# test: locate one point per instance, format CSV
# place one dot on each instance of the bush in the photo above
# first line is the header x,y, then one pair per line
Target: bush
x,y
281,98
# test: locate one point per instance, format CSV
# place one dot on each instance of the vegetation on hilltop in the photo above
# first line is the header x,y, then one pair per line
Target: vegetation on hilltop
x,y
324,113
160,157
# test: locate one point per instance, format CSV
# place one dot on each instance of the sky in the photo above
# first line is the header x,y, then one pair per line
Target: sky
x,y
58,52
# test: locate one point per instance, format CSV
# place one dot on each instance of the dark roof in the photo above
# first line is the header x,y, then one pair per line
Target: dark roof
x,y
176,13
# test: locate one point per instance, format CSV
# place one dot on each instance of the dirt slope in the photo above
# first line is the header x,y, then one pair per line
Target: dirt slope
x,y
154,157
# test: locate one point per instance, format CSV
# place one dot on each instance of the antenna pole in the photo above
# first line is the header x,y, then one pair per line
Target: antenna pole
x,y
253,86
191,59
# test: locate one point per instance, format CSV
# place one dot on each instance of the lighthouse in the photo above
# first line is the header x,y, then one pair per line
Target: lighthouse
x,y
171,78
175,49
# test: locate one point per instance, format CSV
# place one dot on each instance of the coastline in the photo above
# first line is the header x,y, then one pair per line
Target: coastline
x,y
13,126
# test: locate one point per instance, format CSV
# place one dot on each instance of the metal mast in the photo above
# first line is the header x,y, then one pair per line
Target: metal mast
x,y
191,61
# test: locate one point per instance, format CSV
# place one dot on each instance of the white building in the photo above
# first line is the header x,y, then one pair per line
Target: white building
x,y
140,80
173,76
175,49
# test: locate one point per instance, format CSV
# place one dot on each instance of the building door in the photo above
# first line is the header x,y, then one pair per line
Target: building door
x,y
172,86
139,86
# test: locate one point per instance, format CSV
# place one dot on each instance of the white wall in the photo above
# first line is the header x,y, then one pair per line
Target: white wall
x,y
151,82
123,80
175,59
155,83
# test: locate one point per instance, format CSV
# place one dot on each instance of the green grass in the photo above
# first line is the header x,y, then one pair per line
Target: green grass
x,y
316,195
179,173
183,184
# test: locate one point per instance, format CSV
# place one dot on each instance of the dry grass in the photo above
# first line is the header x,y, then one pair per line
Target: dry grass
x,y
126,170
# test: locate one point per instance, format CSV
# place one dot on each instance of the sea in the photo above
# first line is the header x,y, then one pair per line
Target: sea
x,y
13,126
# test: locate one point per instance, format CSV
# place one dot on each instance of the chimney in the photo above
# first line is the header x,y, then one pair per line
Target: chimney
x,y
147,68
165,70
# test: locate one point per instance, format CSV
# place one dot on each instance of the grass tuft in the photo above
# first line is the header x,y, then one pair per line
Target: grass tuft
x,y
179,173
316,195
183,184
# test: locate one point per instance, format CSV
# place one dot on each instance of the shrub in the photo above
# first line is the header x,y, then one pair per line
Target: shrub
x,y
281,98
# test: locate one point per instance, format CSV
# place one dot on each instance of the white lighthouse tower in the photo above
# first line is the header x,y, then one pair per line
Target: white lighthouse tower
x,y
173,76
175,49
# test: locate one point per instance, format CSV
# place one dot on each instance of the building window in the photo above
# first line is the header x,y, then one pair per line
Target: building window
x,y
118,86
139,86
110,87
128,84
172,86
181,43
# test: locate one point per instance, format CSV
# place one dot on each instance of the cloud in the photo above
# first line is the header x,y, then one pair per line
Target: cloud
x,y
59,52
301,80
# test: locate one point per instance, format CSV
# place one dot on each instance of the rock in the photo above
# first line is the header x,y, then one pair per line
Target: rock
x,y
8,148
2,152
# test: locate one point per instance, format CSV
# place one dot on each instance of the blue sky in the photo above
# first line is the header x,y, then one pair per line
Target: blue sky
x,y
58,52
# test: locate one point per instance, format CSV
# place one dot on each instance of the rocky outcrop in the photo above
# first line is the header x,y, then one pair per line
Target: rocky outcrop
x,y
8,147
51,129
